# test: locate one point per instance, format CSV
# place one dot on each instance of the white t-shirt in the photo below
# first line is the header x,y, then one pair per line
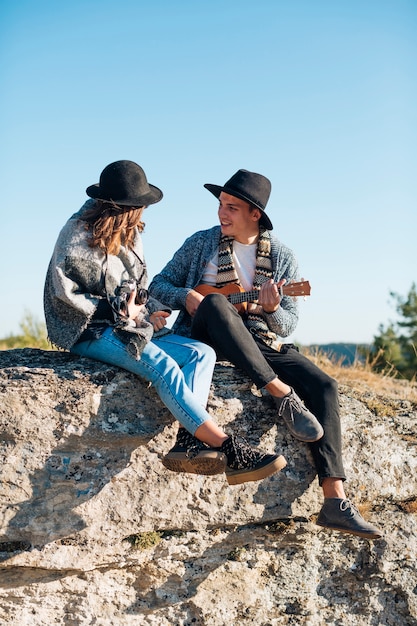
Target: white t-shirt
x,y
244,259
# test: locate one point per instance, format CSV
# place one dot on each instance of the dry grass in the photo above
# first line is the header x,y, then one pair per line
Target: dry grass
x,y
144,541
362,379
409,506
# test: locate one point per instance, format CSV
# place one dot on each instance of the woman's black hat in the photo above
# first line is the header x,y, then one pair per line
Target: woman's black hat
x,y
125,183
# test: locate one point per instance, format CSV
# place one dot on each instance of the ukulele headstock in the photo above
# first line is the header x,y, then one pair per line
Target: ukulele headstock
x,y
300,288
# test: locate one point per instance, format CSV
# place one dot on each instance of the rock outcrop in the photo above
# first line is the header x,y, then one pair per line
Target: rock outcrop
x,y
94,530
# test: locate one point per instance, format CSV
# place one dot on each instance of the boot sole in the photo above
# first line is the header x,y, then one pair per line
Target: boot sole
x,y
207,463
237,477
356,533
304,438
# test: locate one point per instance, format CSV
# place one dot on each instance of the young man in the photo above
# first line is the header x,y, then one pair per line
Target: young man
x,y
242,250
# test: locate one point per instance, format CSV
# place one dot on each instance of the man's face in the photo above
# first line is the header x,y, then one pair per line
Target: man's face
x,y
236,219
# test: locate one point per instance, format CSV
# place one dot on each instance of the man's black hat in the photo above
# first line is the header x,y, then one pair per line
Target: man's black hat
x,y
253,188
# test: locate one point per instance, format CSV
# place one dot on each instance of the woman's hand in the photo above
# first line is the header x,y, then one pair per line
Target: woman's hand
x,y
158,319
134,309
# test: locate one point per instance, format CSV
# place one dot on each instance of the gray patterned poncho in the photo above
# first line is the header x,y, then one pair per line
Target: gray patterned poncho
x,y
79,277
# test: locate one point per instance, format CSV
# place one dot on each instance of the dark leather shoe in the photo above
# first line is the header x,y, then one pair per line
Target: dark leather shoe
x,y
342,515
302,424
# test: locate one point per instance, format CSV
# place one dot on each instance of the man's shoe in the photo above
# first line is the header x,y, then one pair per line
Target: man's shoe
x,y
245,464
191,455
342,515
300,422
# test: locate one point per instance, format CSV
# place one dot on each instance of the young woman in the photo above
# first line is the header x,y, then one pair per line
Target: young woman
x,y
96,305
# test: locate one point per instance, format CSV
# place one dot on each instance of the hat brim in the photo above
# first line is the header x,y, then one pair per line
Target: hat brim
x,y
154,195
216,190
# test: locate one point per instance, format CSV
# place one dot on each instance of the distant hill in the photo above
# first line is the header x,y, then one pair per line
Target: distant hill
x,y
344,353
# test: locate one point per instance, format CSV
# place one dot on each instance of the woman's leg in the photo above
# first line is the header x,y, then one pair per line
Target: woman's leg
x,y
243,463
156,367
196,360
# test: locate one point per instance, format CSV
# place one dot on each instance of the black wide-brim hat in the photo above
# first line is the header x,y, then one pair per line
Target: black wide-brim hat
x,y
249,186
124,183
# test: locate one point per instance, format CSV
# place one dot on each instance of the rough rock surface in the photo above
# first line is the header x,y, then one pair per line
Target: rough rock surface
x,y
94,530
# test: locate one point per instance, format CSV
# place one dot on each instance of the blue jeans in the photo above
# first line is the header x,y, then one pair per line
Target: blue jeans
x,y
180,370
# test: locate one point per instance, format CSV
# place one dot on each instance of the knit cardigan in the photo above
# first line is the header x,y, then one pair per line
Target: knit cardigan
x,y
186,268
79,278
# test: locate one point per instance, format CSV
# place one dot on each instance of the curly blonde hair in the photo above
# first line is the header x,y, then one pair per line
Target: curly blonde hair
x,y
112,226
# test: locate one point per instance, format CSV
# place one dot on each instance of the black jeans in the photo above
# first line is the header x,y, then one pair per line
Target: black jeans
x,y
218,324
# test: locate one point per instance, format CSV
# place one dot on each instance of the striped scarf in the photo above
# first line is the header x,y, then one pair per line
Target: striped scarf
x,y
226,273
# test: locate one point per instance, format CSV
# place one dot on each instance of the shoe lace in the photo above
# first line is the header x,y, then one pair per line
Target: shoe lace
x,y
192,445
239,453
347,505
292,402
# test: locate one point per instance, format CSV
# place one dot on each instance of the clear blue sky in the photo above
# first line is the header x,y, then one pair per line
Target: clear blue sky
x,y
318,95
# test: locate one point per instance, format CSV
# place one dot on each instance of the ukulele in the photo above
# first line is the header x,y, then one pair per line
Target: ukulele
x,y
239,297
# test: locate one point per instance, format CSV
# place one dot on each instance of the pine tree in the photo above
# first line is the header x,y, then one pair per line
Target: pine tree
x,y
395,348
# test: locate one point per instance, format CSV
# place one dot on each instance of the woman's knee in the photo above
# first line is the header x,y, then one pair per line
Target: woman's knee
x,y
206,353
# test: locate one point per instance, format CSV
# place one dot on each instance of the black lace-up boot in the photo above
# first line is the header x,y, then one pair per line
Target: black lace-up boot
x,y
245,464
191,455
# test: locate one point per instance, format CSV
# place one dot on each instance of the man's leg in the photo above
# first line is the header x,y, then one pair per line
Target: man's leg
x,y
320,394
218,323
319,391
